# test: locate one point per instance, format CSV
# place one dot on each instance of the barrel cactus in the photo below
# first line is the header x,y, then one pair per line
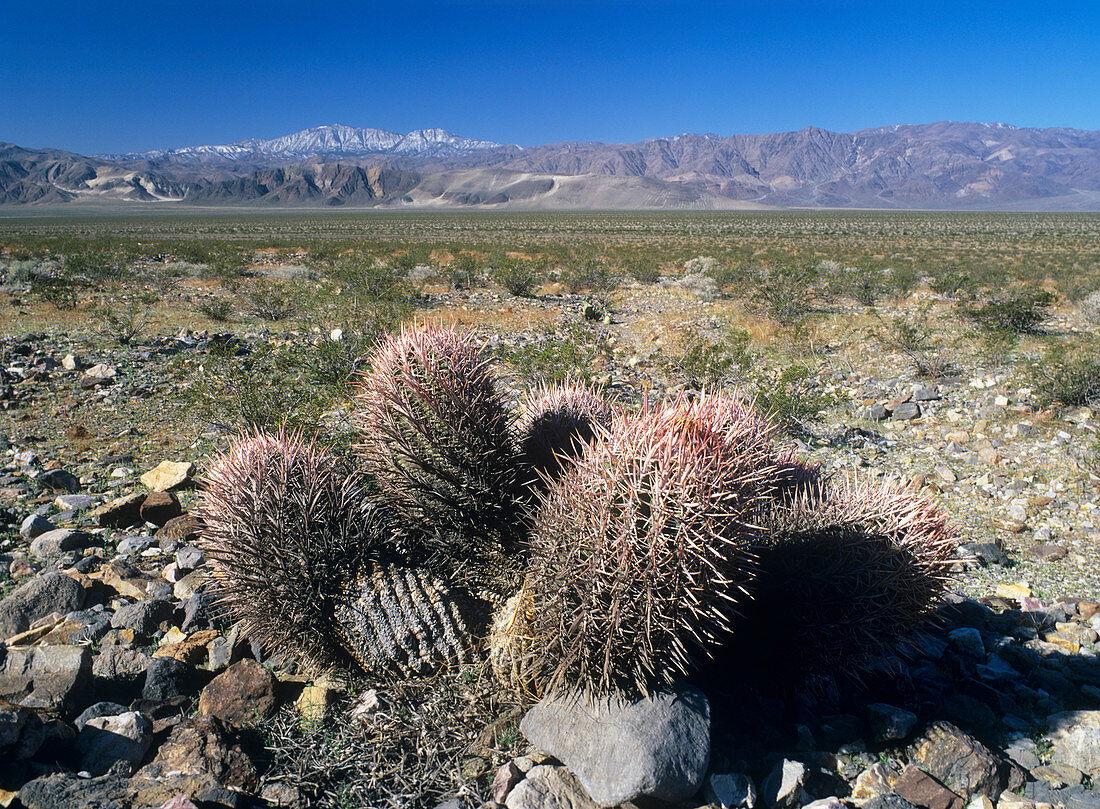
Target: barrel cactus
x,y
557,423
640,555
847,573
312,568
437,438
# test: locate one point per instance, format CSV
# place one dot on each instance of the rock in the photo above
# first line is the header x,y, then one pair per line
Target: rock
x,y
945,474
968,641
1048,552
657,746
59,480
243,693
191,649
1015,592
54,677
129,546
877,412
168,475
167,677
120,512
878,779
124,669
105,740
144,617
118,792
160,507
21,732
784,788
731,790
204,745
60,540
888,802
97,710
52,592
315,701
504,781
547,787
921,789
1079,748
72,362
888,723
831,802
959,761
35,525
906,411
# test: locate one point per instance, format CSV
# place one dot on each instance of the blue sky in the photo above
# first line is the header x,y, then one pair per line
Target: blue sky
x,y
119,76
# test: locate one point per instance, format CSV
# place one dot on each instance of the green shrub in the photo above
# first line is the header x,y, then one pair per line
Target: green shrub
x,y
1068,375
62,291
217,310
713,364
518,277
786,294
556,357
791,398
91,264
913,337
272,302
1019,313
594,277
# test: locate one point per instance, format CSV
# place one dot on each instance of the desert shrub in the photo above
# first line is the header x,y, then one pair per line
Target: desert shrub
x,y
556,356
730,276
786,294
1090,307
1068,375
863,285
958,285
272,302
217,310
124,320
463,272
900,281
518,277
1019,313
714,363
791,398
370,281
594,277
643,269
913,337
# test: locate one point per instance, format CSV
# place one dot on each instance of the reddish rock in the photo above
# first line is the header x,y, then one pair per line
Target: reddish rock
x,y
243,693
160,507
921,789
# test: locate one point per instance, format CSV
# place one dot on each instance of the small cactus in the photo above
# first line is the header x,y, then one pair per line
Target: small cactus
x,y
314,570
847,572
285,526
556,424
437,438
640,554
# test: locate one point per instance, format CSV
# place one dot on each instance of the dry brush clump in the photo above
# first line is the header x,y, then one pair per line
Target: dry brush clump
x,y
438,440
556,424
640,553
847,573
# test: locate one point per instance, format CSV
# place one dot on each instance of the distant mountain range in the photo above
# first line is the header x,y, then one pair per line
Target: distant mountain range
x,y
946,165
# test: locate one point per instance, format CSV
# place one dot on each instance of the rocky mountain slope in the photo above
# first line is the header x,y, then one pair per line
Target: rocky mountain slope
x,y
946,165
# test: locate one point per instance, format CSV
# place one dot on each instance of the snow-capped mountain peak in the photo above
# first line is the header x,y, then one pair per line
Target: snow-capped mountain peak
x,y
333,139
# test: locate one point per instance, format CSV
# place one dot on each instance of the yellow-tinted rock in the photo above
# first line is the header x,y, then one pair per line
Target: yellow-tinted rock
x,y
1013,591
314,701
168,475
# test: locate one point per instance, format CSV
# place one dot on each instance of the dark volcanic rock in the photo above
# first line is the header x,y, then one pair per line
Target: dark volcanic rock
x,y
52,592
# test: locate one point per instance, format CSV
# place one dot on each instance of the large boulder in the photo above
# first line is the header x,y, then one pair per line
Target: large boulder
x,y
658,746
51,592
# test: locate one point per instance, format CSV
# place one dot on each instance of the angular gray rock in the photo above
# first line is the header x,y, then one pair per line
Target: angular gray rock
x,y
547,787
657,747
731,791
54,677
54,543
1080,748
52,592
105,740
784,788
889,723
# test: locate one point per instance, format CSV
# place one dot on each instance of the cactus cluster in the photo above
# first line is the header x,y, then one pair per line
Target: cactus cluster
x,y
590,548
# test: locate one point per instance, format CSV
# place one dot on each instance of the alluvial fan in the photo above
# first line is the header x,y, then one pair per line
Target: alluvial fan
x,y
437,437
557,423
847,572
285,527
640,554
